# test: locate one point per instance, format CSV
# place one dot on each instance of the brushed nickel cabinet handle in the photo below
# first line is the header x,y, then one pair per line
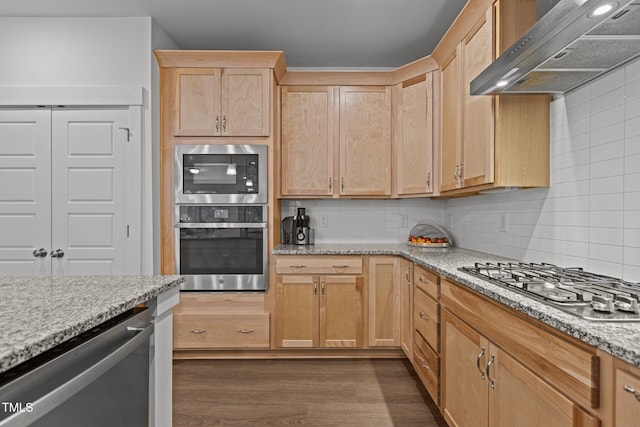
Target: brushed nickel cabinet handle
x,y
423,363
423,280
224,123
330,184
423,316
478,363
340,266
198,331
245,331
217,123
341,184
492,383
322,288
631,390
297,266
315,289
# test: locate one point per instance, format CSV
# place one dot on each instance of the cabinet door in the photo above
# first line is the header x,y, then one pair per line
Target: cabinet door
x,y
384,302
341,311
196,109
307,141
406,306
464,395
25,193
298,309
365,141
415,153
478,114
451,118
627,398
245,102
520,398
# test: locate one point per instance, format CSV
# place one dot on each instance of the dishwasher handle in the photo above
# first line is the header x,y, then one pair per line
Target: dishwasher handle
x,y
59,395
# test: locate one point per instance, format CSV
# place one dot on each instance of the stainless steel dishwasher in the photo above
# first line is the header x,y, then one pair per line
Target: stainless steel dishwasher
x,y
99,378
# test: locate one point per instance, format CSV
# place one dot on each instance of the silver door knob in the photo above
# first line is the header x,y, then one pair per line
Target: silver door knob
x,y
58,253
42,252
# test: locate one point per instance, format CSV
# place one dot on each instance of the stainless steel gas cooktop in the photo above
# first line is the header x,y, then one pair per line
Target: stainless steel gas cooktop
x,y
588,295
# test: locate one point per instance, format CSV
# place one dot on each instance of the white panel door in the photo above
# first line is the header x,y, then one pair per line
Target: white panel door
x,y
25,192
89,192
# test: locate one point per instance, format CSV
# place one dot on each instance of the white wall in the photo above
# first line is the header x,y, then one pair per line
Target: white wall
x,y
590,216
366,221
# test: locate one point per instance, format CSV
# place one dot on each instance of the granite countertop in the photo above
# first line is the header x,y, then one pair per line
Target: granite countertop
x,y
38,313
621,339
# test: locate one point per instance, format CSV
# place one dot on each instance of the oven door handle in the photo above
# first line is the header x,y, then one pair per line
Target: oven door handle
x,y
222,225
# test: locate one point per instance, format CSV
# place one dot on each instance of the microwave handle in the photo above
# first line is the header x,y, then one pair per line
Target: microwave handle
x,y
222,225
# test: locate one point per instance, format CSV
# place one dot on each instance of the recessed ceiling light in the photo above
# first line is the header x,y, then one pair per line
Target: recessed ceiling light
x,y
502,83
601,10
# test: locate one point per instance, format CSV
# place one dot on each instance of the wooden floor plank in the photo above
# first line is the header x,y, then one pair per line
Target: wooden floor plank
x,y
316,392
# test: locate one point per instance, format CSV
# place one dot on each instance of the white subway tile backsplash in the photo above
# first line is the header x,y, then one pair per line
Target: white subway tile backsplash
x,y
606,202
632,256
606,236
632,145
632,164
631,273
609,82
632,182
607,168
632,219
612,269
606,185
632,201
610,133
608,151
575,234
632,238
632,126
604,118
607,101
610,219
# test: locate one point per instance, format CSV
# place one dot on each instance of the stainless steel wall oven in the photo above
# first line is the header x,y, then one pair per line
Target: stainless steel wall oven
x,y
221,238
222,248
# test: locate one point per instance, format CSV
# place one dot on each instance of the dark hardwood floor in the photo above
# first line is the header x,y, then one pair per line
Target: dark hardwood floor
x,y
328,392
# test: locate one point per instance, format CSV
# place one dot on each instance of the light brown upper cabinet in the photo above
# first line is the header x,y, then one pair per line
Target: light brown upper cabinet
x,y
414,144
336,141
221,102
307,140
488,142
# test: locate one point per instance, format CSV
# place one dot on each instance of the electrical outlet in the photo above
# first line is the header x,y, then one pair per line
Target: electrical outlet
x,y
324,221
404,221
503,222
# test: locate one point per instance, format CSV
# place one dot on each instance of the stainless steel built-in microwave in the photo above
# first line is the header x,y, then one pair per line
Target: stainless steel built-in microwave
x,y
220,174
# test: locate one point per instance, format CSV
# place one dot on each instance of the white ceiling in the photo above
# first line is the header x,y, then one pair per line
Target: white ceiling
x,y
312,33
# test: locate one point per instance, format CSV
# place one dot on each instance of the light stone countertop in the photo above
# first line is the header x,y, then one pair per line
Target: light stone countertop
x,y
621,339
38,313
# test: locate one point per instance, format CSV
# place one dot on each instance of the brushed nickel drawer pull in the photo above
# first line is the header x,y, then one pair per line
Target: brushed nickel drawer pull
x,y
297,266
423,363
632,391
423,316
198,331
245,331
340,266
423,280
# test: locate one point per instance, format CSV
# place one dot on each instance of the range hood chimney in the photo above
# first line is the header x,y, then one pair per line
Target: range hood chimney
x,y
572,44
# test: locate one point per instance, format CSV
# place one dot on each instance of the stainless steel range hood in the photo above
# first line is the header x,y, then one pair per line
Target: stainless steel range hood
x,y
574,43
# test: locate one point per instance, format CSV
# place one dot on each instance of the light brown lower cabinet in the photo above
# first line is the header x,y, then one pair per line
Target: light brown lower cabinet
x,y
384,301
627,395
498,369
319,311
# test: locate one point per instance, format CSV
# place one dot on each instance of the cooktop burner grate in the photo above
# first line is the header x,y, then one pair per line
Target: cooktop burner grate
x,y
588,295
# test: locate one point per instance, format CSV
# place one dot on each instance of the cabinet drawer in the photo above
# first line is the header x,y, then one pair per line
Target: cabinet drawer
x,y
214,330
425,317
427,365
427,281
318,265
